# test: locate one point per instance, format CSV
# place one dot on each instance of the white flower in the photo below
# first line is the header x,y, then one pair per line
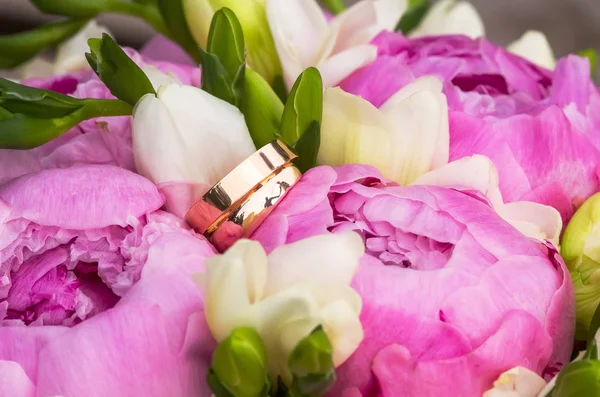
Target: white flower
x,y
517,382
304,38
70,55
535,47
287,294
405,138
451,17
186,135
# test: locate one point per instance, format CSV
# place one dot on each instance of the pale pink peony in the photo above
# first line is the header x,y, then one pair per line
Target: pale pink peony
x,y
96,295
453,296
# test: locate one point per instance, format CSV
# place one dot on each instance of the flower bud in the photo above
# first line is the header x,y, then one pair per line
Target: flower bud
x,y
580,249
240,365
262,55
311,364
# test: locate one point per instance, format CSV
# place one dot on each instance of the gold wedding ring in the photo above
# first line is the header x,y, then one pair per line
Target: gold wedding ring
x,y
235,206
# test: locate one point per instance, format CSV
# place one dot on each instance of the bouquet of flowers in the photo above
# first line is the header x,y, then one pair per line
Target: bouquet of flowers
x,y
275,199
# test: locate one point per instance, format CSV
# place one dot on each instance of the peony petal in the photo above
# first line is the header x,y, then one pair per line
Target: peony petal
x,y
451,17
338,67
300,30
161,48
14,382
534,46
76,198
327,259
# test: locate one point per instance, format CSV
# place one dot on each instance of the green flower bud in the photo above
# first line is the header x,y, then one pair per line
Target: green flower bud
x,y
239,367
580,378
311,365
580,248
262,55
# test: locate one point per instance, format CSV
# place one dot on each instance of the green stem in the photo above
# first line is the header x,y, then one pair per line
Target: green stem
x,y
105,108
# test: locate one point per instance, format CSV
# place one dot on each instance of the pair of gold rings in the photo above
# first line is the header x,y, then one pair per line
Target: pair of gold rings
x,y
235,206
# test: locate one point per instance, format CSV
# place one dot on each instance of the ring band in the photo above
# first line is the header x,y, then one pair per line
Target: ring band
x,y
237,205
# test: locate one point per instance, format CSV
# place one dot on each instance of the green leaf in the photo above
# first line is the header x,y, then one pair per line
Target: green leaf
x,y
30,117
311,365
411,19
21,47
122,76
301,120
239,366
307,147
580,378
592,56
335,6
262,109
17,98
224,62
174,16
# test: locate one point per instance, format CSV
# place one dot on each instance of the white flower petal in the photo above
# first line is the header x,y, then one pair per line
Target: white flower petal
x,y
350,124
477,171
37,67
70,56
157,145
517,382
343,328
327,259
234,282
357,25
338,67
451,17
389,13
535,47
534,220
299,30
214,133
158,78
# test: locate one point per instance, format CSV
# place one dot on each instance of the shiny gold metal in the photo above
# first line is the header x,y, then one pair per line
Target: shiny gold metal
x,y
240,202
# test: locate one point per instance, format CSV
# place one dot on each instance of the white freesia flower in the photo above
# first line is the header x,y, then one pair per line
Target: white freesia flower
x,y
535,47
185,135
287,294
405,138
303,36
517,382
70,55
451,17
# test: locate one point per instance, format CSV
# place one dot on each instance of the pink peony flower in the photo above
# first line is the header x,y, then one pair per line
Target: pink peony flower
x,y
98,141
539,127
453,296
96,295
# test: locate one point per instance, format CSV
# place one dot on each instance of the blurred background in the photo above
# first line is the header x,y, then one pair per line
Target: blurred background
x,y
571,25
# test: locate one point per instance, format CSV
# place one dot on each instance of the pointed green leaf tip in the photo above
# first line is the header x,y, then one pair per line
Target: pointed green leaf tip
x,y
301,120
224,62
120,74
30,117
18,48
412,18
311,365
239,366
